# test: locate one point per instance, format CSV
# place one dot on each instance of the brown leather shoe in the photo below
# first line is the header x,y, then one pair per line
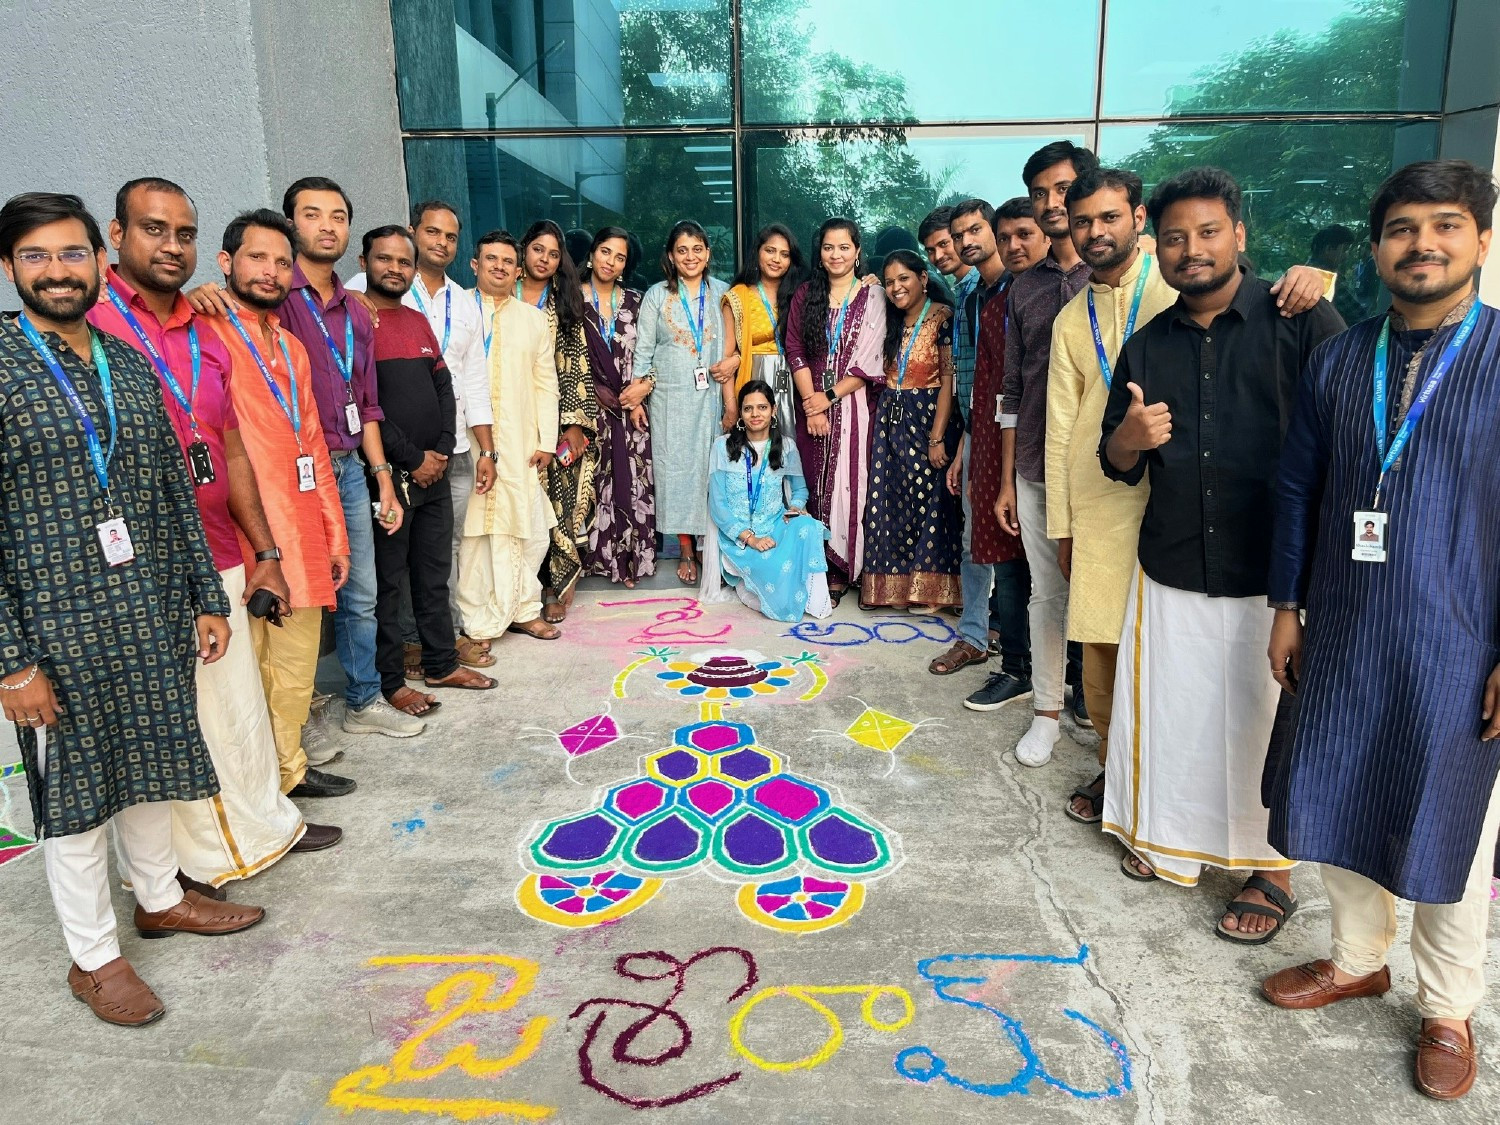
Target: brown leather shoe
x,y
116,995
1312,986
197,915
1446,1065
317,837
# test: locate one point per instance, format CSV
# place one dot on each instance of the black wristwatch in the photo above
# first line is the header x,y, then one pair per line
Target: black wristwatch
x,y
833,395
273,555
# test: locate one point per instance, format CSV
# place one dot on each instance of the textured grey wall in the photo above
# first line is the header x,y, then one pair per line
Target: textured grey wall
x,y
232,99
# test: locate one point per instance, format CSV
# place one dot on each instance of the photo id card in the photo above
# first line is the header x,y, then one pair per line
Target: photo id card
x,y
1369,537
200,463
351,416
700,378
306,482
999,407
114,537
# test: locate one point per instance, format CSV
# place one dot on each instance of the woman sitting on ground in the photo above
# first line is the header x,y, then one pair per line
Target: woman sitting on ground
x,y
768,548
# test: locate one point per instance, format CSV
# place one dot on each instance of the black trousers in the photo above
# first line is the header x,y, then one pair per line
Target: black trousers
x,y
419,557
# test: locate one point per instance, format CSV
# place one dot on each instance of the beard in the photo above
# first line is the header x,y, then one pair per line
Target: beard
x,y
61,310
1424,292
387,289
255,300
1113,256
1210,284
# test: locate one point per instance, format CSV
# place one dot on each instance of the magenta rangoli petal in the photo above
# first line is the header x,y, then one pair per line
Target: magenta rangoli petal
x,y
593,733
772,903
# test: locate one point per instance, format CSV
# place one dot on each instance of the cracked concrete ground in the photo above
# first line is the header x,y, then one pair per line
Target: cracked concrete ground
x,y
381,959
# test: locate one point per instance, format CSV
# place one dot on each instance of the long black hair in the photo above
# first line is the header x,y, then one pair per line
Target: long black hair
x,y
739,439
936,293
566,289
680,228
601,236
815,311
796,270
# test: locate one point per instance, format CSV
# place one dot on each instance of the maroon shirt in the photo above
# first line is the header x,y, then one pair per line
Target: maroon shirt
x,y
329,387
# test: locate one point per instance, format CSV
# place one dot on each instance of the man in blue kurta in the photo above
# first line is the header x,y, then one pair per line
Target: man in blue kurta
x,y
1390,779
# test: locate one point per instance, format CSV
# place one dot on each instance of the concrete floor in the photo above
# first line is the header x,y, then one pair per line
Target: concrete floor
x,y
297,1020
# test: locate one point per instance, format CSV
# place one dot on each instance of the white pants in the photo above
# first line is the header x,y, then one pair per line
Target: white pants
x,y
1447,939
1048,609
78,875
498,576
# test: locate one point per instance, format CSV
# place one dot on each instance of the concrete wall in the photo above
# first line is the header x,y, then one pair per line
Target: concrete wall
x,y
219,96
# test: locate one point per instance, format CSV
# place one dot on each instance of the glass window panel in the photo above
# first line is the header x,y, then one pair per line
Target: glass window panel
x,y
556,64
1297,178
887,184
1179,57
644,184
832,61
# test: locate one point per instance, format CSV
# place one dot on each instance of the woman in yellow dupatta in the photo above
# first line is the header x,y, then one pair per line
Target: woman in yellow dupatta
x,y
754,309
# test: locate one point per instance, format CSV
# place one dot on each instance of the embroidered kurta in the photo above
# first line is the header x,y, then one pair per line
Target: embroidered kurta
x,y
118,642
1386,775
1101,516
684,420
570,488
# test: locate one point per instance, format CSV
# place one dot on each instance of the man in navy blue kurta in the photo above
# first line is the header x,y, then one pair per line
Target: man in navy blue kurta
x,y
1388,536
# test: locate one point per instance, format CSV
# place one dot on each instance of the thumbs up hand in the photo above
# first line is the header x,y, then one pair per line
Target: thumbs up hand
x,y
1145,427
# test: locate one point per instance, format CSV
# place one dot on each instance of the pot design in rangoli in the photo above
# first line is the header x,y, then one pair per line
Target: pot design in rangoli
x,y
715,801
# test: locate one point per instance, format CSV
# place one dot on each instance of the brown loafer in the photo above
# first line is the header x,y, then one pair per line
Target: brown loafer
x,y
188,883
1446,1065
116,995
1312,986
317,837
197,915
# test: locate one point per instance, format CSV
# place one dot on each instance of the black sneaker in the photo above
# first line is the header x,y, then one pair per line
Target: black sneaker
x,y
1080,711
1001,688
316,783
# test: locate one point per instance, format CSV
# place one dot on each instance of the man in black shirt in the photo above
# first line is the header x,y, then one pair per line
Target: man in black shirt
x,y
1200,399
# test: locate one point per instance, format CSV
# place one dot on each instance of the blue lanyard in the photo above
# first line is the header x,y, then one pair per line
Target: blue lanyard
x,y
542,300
294,411
160,363
697,328
836,333
906,352
775,323
344,362
753,487
416,291
614,311
97,455
490,335
1424,396
1135,308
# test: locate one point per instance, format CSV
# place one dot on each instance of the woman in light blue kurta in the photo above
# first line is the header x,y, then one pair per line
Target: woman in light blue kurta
x,y
680,332
769,549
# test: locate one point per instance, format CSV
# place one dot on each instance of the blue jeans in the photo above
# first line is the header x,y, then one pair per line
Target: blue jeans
x,y
354,619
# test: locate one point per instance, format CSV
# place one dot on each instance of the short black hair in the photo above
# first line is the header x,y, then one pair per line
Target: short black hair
x,y
434,205
1329,237
387,231
1058,152
146,183
503,237
313,183
969,206
1436,181
23,213
937,219
1018,207
1195,183
234,233
1095,180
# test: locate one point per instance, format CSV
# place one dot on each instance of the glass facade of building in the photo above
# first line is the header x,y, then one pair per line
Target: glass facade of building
x,y
740,112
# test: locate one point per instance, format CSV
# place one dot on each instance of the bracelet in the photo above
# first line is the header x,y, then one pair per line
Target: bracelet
x,y
743,537
935,441
380,469
24,683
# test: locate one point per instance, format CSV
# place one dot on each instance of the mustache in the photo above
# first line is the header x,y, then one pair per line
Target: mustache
x,y
1190,262
1420,258
61,283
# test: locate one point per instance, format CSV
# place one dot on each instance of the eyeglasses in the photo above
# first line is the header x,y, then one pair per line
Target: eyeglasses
x,y
33,259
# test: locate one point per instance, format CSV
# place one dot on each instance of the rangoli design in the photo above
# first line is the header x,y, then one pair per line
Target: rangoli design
x,y
13,842
715,800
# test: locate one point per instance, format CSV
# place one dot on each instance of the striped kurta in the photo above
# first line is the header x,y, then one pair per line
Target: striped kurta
x,y
1386,775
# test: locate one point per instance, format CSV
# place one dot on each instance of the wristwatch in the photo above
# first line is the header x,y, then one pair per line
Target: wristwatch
x,y
833,395
272,555
385,468
490,454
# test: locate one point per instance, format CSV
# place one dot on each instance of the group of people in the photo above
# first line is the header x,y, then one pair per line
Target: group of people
x,y
1124,453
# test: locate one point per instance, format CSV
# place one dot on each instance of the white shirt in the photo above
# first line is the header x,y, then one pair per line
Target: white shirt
x,y
452,309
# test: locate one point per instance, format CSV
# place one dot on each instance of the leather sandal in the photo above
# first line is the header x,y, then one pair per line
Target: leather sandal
x,y
474,654
537,628
1282,907
961,655
553,610
197,915
1093,793
412,702
412,659
461,678
116,995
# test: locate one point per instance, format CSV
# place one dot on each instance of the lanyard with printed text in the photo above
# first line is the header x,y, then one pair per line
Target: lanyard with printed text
x,y
698,326
293,411
1135,308
614,311
836,333
540,301
1418,404
753,486
905,357
490,335
771,315
191,399
416,291
101,460
343,361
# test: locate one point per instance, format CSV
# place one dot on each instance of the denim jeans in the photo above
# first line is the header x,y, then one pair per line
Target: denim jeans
x,y
354,619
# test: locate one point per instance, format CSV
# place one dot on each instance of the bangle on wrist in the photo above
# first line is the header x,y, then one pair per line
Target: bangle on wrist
x,y
935,441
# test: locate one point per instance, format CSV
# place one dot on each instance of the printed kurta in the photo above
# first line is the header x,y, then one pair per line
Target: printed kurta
x,y
1386,775
1101,516
622,540
570,488
684,420
988,541
118,642
838,464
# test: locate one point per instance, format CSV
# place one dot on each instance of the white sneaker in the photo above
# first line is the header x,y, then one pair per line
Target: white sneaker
x,y
1035,747
379,717
316,744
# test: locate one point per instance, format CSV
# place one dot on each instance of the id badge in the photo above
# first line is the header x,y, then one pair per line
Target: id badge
x,y
1369,537
351,417
114,537
200,463
306,482
999,407
700,378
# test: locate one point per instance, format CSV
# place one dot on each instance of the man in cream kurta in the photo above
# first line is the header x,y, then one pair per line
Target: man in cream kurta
x,y
1097,517
506,529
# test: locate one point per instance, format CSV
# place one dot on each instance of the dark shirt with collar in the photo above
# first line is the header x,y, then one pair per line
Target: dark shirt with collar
x,y
329,388
1230,389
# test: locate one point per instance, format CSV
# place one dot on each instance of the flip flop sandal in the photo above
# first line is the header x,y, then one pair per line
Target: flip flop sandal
x,y
490,683
521,628
1095,800
1131,873
1287,907
549,615
693,563
961,655
431,707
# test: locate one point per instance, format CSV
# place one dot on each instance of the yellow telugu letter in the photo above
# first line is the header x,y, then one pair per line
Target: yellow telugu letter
x,y
872,994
